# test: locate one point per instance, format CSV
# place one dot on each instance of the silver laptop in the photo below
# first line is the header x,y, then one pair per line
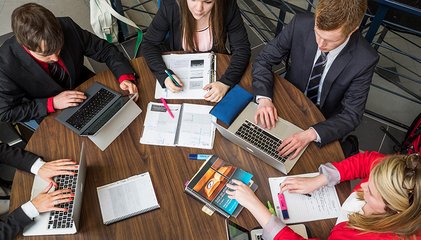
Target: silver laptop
x,y
101,117
55,223
261,142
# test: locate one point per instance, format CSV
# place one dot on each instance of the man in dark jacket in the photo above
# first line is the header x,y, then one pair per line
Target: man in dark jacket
x,y
43,62
330,62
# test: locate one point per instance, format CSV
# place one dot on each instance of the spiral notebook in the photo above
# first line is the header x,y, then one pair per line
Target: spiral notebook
x,y
126,198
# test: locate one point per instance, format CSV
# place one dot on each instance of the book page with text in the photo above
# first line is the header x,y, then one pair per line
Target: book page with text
x,y
194,70
159,127
196,128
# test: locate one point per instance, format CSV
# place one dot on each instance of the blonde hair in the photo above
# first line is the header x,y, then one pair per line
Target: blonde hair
x,y
399,184
216,22
334,14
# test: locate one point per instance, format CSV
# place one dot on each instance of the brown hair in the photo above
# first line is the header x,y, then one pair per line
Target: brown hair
x,y
35,25
398,180
334,14
188,25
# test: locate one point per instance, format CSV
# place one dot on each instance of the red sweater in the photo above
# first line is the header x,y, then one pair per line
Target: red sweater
x,y
354,167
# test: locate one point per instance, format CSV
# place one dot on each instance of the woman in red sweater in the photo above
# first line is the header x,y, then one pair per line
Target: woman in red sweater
x,y
385,205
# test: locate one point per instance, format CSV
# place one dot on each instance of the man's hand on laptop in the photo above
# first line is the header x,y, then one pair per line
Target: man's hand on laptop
x,y
266,114
128,85
296,143
58,167
46,201
67,99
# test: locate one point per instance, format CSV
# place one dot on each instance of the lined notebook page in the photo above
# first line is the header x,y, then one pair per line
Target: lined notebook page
x,y
126,198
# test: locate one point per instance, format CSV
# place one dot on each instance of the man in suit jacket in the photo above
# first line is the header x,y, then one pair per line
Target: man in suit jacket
x,y
343,85
44,60
45,201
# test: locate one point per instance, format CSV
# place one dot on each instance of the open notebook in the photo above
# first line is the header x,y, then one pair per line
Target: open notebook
x,y
191,126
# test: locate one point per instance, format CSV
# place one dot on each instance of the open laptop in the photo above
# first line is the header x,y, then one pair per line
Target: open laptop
x,y
237,232
102,116
261,142
55,223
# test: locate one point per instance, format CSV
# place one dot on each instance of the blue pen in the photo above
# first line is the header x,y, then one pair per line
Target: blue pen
x,y
172,78
199,156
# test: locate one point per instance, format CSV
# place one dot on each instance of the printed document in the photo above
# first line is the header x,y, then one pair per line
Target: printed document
x,y
191,126
323,203
195,70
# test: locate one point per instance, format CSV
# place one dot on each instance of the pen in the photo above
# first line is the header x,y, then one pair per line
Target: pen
x,y
166,107
172,78
199,156
271,209
283,206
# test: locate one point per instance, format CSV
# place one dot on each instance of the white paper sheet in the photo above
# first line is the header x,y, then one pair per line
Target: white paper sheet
x,y
323,203
194,70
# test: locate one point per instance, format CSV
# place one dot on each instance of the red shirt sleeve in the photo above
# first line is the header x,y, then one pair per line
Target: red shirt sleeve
x,y
129,76
358,165
287,233
50,105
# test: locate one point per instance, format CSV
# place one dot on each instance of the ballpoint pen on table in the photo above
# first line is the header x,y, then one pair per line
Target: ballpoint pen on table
x,y
166,107
172,79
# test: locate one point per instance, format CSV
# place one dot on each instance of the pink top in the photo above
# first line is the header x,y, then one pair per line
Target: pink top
x,y
204,39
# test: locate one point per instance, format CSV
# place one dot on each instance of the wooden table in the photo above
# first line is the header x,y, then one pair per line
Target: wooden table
x,y
180,215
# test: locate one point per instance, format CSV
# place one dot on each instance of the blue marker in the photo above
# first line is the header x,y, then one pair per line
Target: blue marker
x,y
199,156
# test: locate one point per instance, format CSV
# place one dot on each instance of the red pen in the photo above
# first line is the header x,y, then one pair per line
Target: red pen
x,y
166,107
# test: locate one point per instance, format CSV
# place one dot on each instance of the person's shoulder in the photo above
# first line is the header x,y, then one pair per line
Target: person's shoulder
x,y
303,21
7,51
363,48
169,3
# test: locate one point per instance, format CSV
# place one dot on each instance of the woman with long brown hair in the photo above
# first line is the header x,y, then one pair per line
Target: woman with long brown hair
x,y
198,26
385,205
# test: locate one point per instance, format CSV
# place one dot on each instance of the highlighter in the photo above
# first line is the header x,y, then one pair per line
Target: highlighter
x,y
199,156
283,206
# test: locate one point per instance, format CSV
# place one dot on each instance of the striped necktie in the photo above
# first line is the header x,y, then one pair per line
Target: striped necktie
x,y
58,73
315,77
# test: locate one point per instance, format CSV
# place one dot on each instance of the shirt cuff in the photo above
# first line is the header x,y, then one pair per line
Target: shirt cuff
x,y
272,228
331,173
124,77
258,97
37,165
50,105
318,139
30,210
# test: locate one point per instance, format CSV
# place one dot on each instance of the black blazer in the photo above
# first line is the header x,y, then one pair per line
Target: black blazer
x,y
346,85
22,160
167,20
25,86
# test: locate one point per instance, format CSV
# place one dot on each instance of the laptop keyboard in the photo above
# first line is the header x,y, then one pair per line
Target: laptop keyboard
x,y
89,110
58,219
261,139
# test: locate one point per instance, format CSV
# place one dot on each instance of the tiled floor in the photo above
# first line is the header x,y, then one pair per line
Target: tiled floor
x,y
400,109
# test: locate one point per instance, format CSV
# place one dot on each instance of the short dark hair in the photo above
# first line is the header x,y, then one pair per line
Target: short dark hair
x,y
335,14
34,24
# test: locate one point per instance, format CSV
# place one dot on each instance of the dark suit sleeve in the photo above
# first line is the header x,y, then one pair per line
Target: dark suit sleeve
x,y
353,105
239,46
273,54
17,157
102,51
14,107
14,224
154,37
